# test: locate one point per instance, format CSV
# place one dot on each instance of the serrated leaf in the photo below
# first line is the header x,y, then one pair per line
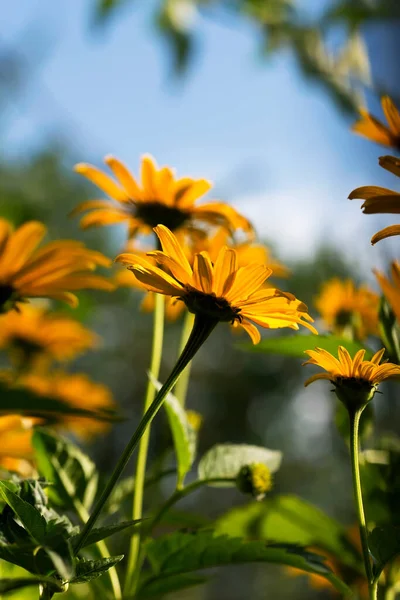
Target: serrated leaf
x,y
24,402
296,345
11,585
72,473
226,460
180,553
60,554
86,570
174,583
101,533
384,545
29,516
290,519
183,434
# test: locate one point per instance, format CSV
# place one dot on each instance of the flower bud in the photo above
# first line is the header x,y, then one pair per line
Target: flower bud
x,y
254,479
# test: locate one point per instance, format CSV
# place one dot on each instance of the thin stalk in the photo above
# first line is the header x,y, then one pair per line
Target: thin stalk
x,y
355,468
102,547
181,387
140,472
201,330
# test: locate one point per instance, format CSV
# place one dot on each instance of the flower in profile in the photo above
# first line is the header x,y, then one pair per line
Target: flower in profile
x,y
16,451
379,200
391,287
373,129
220,290
246,252
76,390
355,379
347,309
159,198
52,271
34,335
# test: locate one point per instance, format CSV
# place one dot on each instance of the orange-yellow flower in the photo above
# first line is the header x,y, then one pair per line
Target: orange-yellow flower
x,y
158,198
391,288
76,390
52,271
352,371
16,452
381,200
33,332
373,129
220,290
343,306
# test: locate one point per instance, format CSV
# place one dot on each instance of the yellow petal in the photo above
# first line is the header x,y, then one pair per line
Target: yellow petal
x,y
125,178
391,114
202,273
103,181
172,248
387,232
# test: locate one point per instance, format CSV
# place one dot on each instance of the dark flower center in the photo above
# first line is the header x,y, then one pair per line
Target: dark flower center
x,y
211,306
6,293
155,213
343,318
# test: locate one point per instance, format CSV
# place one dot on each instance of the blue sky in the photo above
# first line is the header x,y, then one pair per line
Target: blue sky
x,y
273,143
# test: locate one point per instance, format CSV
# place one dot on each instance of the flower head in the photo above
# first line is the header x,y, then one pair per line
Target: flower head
x,y
51,271
76,390
344,307
391,288
373,129
220,290
254,479
159,198
16,451
33,333
381,200
355,379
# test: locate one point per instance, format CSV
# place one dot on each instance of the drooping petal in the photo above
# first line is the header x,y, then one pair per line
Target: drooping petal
x,y
387,232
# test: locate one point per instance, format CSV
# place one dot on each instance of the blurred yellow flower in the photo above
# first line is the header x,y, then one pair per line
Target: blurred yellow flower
x,y
51,271
76,390
159,198
344,307
391,288
381,200
355,371
33,333
220,291
246,253
16,451
373,129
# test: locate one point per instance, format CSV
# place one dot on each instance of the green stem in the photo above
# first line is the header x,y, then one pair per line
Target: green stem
x,y
355,468
102,547
181,387
373,591
140,473
201,330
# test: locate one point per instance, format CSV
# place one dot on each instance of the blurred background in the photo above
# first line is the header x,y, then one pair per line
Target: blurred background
x,y
258,96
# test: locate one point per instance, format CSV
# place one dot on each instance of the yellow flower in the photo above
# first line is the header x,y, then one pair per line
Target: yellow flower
x,y
246,252
343,306
159,198
16,451
76,390
391,288
219,291
355,379
373,129
51,271
255,479
381,200
33,332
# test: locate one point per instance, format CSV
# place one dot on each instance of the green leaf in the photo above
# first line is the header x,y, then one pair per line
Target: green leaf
x,y
174,23
183,434
19,554
297,345
86,570
101,533
384,545
180,553
290,519
226,460
60,554
106,8
11,585
72,473
25,402
120,493
30,517
174,583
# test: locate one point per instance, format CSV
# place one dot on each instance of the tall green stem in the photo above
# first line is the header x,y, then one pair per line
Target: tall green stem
x,y
201,330
181,387
355,467
140,472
